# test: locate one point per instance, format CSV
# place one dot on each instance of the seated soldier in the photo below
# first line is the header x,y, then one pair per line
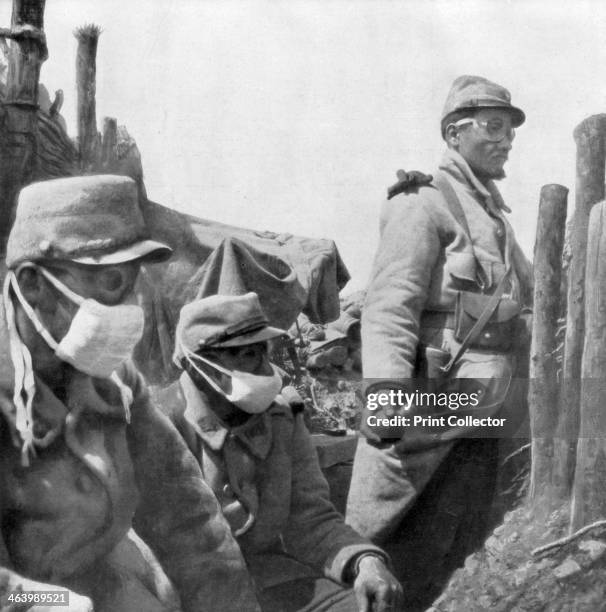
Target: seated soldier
x,y
257,456
85,458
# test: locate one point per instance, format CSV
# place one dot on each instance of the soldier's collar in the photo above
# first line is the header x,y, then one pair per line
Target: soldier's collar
x,y
456,165
254,434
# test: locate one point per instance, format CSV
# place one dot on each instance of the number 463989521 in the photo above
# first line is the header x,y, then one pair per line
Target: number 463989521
x,y
48,598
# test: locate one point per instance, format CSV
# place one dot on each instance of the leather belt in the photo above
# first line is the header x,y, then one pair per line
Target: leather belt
x,y
437,320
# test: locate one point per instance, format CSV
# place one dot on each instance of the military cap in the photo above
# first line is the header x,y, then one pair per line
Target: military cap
x,y
474,92
93,220
222,321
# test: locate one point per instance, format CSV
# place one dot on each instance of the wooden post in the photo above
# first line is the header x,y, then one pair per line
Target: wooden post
x,y
18,134
86,73
109,153
543,393
589,501
590,137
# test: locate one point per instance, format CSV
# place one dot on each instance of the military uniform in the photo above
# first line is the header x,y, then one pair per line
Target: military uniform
x,y
265,471
397,319
424,257
297,533
107,500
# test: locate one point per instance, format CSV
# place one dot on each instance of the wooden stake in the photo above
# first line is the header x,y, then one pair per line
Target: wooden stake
x,y
543,394
86,74
589,501
109,153
590,136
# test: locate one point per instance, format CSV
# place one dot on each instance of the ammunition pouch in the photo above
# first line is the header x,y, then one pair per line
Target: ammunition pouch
x,y
498,333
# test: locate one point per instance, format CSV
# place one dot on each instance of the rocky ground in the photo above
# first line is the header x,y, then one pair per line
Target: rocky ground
x,y
505,576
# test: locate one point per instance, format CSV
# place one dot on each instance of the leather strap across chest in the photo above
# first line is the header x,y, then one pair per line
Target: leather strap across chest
x,y
443,185
446,189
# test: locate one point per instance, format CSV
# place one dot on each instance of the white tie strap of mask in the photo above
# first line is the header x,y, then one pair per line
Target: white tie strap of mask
x,y
24,382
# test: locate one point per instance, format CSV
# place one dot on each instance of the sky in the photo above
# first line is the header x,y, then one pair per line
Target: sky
x,y
293,116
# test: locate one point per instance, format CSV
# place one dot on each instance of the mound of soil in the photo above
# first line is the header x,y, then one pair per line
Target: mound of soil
x,y
505,576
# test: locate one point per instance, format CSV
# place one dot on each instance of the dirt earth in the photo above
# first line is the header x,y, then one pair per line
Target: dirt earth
x,y
505,576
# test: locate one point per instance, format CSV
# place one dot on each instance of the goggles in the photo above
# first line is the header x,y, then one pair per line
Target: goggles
x,y
493,130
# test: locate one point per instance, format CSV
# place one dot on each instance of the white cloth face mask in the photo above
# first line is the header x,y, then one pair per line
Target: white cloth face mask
x,y
249,392
100,338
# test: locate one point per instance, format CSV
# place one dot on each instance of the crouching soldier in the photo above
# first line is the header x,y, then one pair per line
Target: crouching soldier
x,y
257,455
84,456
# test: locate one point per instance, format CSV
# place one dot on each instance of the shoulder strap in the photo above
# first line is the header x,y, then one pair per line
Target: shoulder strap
x,y
442,184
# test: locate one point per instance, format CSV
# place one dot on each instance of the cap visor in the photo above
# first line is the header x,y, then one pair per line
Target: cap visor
x,y
519,116
147,250
267,333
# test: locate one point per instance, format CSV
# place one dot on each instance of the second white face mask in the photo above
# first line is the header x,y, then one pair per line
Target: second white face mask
x,y
100,338
249,392
253,393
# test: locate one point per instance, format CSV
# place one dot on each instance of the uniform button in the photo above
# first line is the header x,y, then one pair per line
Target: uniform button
x,y
487,334
500,232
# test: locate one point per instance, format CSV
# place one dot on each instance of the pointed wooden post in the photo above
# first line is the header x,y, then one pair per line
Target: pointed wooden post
x,y
86,75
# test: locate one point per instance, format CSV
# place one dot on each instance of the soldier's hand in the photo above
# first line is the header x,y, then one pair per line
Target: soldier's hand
x,y
375,587
408,182
375,412
365,428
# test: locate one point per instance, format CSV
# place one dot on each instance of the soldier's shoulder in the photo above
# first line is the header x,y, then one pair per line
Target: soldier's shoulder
x,y
427,194
426,205
408,182
284,414
281,407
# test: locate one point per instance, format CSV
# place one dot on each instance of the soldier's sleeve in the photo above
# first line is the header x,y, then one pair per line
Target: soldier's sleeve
x,y
178,516
316,533
408,250
11,581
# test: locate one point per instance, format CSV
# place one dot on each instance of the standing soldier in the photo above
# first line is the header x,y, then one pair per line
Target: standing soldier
x,y
84,456
442,309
